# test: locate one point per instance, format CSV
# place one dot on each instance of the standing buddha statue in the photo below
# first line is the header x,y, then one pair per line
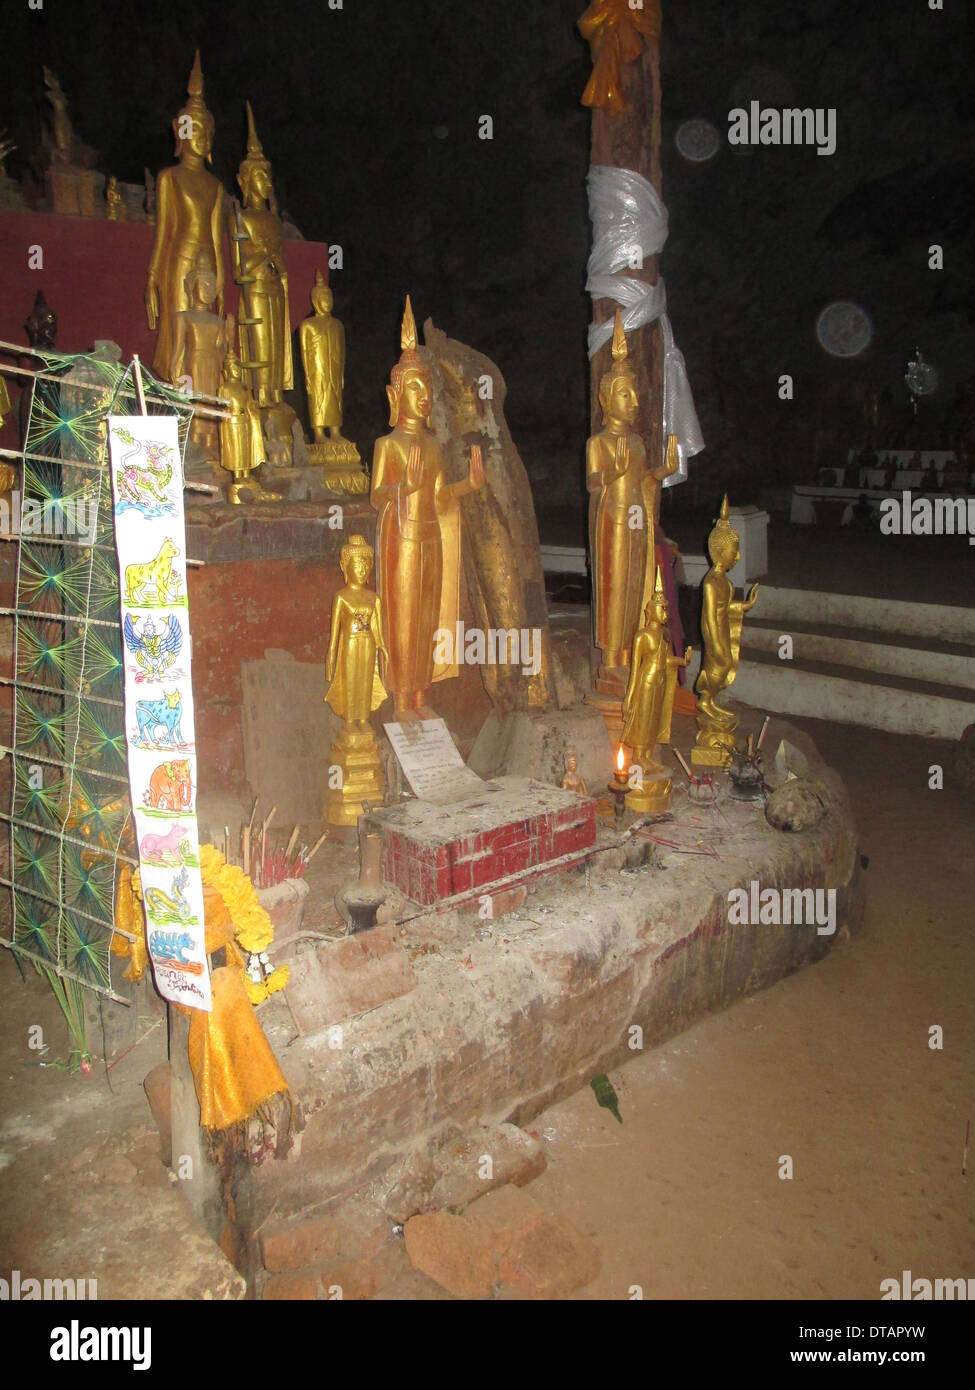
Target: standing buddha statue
x,y
649,703
418,532
189,225
201,342
622,508
721,623
355,688
260,270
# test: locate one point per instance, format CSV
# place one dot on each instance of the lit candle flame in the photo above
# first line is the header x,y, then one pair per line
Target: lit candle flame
x,y
619,759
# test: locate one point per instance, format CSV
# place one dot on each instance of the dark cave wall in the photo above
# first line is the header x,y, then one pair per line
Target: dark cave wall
x,y
370,117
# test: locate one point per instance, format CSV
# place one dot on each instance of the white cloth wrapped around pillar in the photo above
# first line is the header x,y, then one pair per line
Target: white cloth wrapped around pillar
x,y
629,223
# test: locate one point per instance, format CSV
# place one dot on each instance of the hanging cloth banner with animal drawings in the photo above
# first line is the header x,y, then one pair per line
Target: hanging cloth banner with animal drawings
x,y
150,537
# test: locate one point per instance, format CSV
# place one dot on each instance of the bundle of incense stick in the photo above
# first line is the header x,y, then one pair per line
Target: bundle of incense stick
x,y
683,764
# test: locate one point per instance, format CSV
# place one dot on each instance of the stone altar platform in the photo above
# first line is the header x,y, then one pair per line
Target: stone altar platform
x,y
473,1022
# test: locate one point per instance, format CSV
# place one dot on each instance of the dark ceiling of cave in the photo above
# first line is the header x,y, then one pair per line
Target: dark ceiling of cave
x,y
369,114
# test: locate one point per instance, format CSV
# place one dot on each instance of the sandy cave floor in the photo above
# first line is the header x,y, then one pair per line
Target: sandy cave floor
x,y
830,1066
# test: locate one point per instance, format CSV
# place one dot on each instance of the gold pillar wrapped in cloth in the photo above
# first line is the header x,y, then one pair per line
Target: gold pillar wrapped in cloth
x,y
418,533
189,226
721,623
355,690
649,704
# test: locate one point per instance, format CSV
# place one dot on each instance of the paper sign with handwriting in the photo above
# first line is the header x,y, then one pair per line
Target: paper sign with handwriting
x,y
431,763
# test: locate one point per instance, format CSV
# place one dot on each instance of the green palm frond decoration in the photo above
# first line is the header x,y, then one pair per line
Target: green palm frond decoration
x,y
97,813
35,926
89,880
103,591
86,948
102,737
36,861
49,581
48,653
38,794
69,814
103,663
40,724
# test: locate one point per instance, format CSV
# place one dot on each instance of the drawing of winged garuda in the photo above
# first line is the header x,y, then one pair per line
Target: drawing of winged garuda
x,y
155,650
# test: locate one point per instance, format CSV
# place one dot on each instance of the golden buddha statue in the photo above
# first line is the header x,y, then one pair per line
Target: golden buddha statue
x,y
418,532
572,781
261,272
189,224
624,496
114,202
241,440
323,357
202,339
649,703
322,340
355,688
721,622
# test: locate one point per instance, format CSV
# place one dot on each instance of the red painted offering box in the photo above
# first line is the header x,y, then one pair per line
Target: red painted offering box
x,y
515,828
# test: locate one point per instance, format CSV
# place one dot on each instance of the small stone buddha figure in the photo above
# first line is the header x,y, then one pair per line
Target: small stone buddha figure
x,y
42,325
623,491
323,357
202,339
572,782
649,702
261,272
418,534
721,622
355,688
61,128
189,224
241,440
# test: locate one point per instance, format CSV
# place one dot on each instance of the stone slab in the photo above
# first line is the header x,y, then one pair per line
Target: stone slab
x,y
348,977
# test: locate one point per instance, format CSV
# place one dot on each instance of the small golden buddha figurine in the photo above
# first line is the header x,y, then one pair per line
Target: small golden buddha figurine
x,y
355,688
322,340
115,203
323,357
202,339
418,533
721,622
241,440
261,272
572,782
623,498
649,703
189,223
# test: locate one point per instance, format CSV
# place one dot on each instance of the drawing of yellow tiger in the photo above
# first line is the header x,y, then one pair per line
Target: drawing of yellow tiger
x,y
158,574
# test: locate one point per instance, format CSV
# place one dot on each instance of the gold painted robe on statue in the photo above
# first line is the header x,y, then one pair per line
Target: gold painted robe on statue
x,y
356,689
621,577
418,561
269,340
323,356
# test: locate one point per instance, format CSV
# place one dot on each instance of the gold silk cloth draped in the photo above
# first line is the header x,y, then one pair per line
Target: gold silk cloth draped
x,y
616,34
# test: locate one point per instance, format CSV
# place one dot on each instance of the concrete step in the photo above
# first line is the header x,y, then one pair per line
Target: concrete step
x,y
822,690
929,621
861,650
